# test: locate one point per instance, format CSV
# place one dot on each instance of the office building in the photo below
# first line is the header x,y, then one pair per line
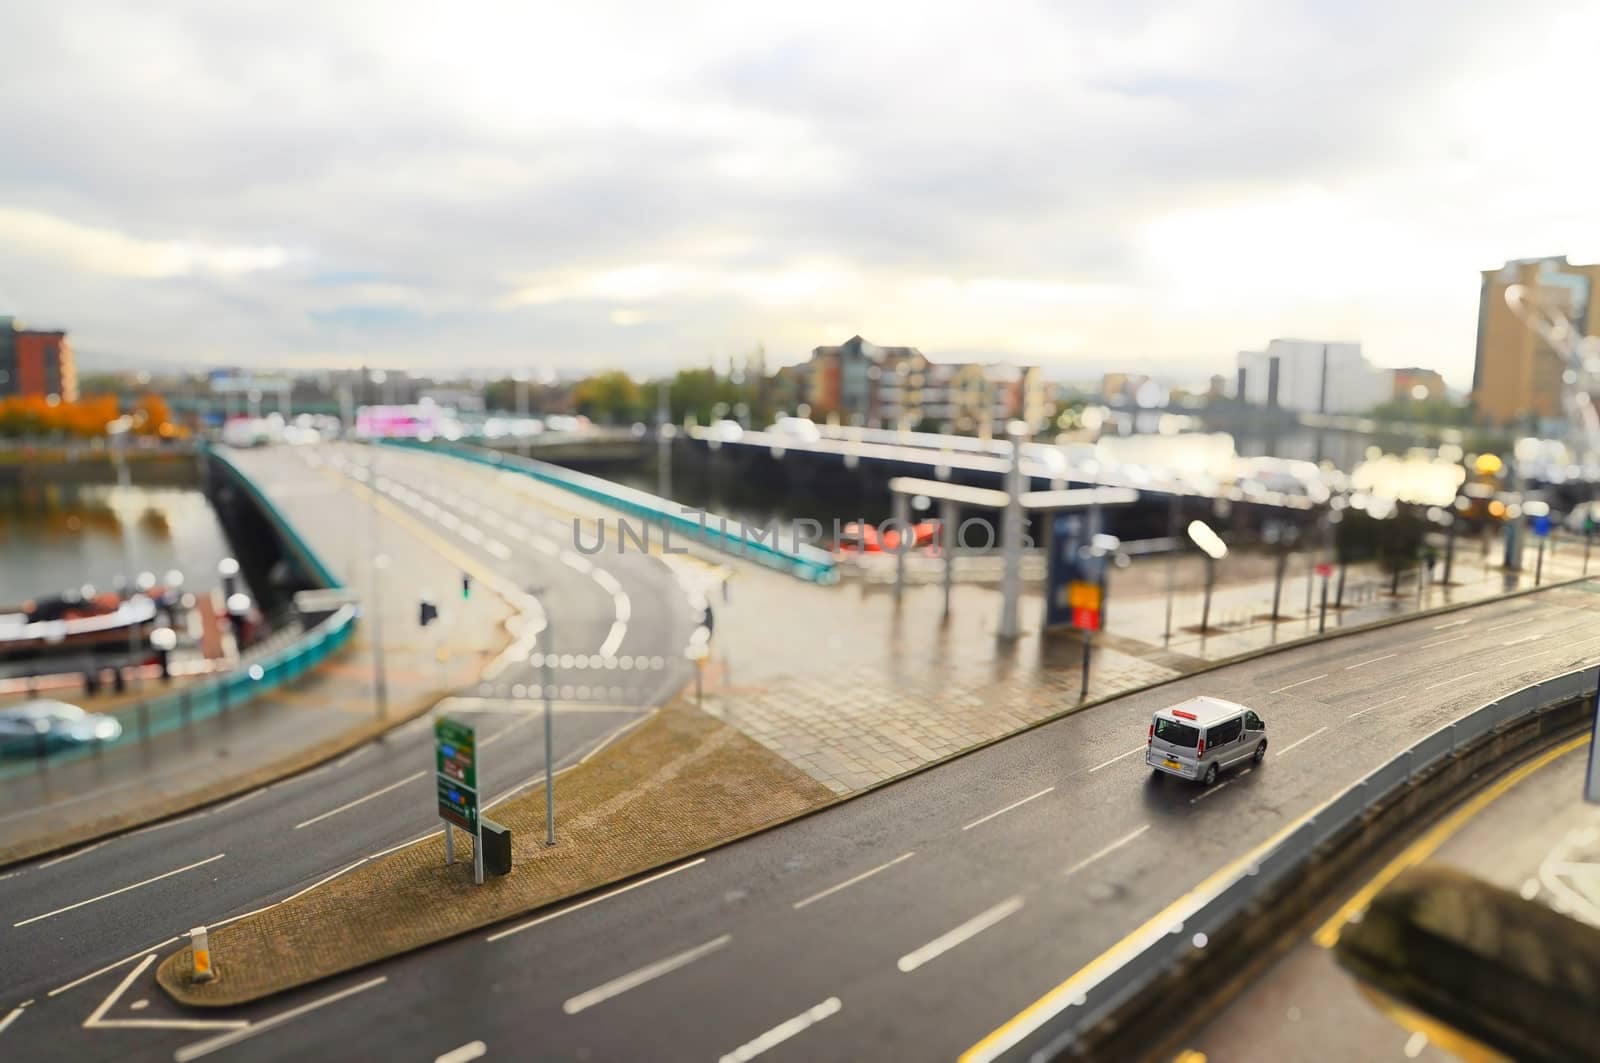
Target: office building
x,y
1516,377
1312,376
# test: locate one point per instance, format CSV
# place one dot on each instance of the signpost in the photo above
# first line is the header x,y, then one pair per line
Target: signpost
x,y
1591,790
1077,582
1541,528
455,754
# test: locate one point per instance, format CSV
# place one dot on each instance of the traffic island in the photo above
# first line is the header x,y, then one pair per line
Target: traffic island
x,y
678,784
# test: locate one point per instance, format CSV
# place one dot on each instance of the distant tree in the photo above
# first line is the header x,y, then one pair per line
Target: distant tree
x,y
1437,411
611,397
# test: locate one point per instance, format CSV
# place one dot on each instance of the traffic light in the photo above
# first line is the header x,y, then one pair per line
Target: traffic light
x,y
466,585
428,613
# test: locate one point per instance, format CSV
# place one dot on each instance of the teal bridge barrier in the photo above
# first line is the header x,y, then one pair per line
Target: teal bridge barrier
x,y
721,533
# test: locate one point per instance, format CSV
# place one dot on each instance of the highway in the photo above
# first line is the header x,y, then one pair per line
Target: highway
x,y
1530,833
907,923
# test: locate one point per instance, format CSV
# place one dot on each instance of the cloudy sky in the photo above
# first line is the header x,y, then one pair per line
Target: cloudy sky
x,y
1086,185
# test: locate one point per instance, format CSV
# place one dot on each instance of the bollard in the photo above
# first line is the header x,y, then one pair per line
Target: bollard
x,y
203,971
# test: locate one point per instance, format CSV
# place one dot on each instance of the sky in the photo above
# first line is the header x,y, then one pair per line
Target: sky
x,y
1110,184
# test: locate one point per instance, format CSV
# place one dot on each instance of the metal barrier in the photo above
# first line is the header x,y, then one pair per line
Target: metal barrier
x,y
1055,1034
721,533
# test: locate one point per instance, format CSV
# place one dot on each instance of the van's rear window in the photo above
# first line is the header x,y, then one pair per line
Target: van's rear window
x,y
1179,734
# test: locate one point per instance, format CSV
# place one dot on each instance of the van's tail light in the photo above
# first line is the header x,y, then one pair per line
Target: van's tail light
x,y
1151,737
1201,750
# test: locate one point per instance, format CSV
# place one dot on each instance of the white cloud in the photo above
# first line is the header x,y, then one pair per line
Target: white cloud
x,y
30,233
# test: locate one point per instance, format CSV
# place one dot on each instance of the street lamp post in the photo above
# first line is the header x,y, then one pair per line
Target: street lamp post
x,y
380,684
1215,550
547,688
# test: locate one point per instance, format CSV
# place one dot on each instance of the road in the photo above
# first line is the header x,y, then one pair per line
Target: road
x,y
1534,836
907,923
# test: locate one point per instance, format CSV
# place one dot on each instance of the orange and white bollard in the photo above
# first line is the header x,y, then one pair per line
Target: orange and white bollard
x,y
203,971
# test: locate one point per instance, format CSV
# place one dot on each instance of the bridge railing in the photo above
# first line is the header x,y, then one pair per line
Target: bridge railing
x,y
278,661
720,533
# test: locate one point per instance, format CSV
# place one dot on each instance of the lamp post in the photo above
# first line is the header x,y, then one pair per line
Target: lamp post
x,y
547,688
1211,544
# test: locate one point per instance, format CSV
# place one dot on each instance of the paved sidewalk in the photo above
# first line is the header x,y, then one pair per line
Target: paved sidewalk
x,y
326,713
853,690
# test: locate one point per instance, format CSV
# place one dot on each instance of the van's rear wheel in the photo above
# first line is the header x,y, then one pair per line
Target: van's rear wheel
x,y
1211,775
1261,751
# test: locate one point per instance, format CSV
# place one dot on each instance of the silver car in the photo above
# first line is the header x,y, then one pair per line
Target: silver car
x,y
1202,737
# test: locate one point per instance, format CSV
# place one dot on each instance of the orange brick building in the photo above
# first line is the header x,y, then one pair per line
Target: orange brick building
x,y
36,363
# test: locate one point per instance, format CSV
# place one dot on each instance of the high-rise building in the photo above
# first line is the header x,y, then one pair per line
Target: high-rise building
x,y
1312,376
36,363
1516,378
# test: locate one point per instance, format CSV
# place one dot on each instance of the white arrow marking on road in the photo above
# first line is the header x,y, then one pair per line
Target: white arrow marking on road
x,y
124,889
203,1048
783,1031
633,980
970,929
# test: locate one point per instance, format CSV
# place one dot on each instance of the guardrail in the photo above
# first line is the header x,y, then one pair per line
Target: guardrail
x,y
1106,1016
280,660
720,533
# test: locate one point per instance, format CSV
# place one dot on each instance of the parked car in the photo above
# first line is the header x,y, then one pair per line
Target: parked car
x,y
1200,737
50,725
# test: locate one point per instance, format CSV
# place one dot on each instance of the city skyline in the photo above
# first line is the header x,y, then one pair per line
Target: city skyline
x,y
1162,187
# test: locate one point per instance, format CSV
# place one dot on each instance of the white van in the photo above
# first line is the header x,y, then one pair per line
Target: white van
x,y
1201,737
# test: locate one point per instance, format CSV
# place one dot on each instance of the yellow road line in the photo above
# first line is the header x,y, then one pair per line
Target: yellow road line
x,y
1062,996
1189,1056
1442,1035
1327,934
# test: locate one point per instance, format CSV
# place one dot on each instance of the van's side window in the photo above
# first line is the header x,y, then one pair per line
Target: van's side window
x,y
1252,721
1223,733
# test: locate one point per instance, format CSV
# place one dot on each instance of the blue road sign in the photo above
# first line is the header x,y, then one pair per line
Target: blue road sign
x,y
1541,526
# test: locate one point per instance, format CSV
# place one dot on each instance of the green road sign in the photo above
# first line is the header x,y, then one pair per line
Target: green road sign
x,y
455,752
458,805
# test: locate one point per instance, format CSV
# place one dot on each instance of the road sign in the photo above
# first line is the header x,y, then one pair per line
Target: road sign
x,y
1077,574
1324,569
459,805
1541,526
455,750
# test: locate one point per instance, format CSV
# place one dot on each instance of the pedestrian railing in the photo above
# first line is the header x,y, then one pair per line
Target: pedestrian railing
x,y
283,657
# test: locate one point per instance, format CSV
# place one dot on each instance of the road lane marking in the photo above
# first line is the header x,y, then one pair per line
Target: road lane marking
x,y
1379,705
361,800
965,932
9,1019
1525,638
1441,642
595,900
1301,683
1453,623
1452,679
649,973
124,889
1512,623
1327,935
469,1051
111,967
348,757
205,1048
241,800
781,1032
72,855
98,1021
1375,660
1113,760
1087,977
797,905
1008,808
1108,850
1208,791
1301,741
